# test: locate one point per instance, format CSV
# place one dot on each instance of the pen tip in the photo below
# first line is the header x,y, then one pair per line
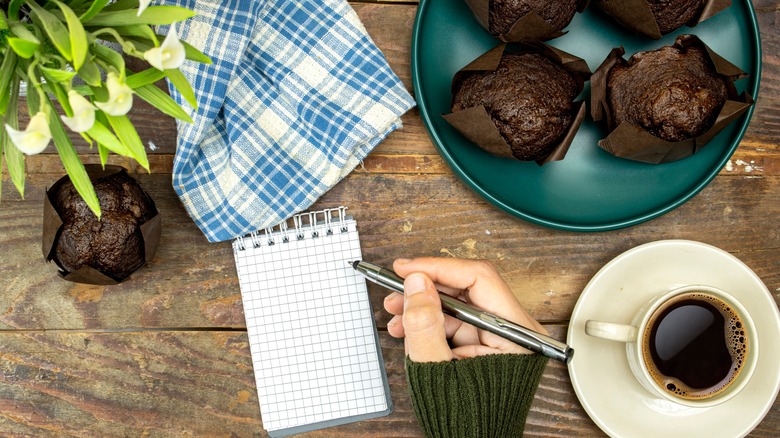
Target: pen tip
x,y
353,263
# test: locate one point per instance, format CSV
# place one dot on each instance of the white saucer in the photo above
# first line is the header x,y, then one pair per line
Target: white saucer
x,y
599,371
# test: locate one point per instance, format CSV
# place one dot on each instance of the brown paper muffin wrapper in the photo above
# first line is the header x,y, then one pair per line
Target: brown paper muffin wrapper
x,y
529,27
632,142
52,223
636,15
475,123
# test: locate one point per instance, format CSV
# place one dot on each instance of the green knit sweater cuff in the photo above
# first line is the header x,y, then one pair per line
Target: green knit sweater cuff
x,y
484,396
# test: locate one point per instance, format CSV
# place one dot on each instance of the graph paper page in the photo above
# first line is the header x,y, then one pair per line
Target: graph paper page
x,y
312,336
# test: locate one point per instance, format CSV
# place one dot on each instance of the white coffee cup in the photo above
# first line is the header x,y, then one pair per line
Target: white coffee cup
x,y
638,336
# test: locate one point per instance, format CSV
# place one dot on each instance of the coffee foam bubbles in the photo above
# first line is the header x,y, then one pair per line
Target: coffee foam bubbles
x,y
736,342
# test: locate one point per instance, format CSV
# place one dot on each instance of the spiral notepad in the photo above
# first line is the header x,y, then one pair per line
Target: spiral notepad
x,y
312,335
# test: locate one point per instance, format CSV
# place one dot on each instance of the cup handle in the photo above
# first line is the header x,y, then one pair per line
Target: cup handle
x,y
610,331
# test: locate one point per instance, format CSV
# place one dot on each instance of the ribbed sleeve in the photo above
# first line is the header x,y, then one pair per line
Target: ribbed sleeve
x,y
485,396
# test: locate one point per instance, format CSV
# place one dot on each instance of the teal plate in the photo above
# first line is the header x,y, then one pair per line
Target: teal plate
x,y
589,190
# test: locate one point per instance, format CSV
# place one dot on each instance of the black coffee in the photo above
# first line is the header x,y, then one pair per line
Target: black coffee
x,y
696,345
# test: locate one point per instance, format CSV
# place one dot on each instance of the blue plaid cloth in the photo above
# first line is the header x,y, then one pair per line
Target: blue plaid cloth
x,y
297,96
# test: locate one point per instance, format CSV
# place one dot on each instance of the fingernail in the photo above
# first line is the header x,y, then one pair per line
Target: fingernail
x,y
402,261
414,283
391,297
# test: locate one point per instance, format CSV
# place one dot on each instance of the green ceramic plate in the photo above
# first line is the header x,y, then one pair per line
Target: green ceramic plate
x,y
590,190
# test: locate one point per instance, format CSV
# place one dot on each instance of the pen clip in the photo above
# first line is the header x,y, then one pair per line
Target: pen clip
x,y
514,327
510,326
543,344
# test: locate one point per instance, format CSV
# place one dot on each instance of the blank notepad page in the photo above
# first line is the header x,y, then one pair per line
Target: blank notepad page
x,y
312,336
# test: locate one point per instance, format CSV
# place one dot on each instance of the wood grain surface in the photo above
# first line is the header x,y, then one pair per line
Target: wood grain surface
x,y
166,354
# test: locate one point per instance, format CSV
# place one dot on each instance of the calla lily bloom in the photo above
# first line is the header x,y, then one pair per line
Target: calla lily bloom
x,y
83,113
142,4
169,55
35,138
120,97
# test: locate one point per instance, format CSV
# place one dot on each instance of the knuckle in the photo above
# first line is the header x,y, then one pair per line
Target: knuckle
x,y
421,318
485,267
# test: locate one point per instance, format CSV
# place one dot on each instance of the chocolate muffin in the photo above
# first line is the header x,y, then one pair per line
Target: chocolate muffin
x,y
504,13
114,244
673,14
673,93
528,97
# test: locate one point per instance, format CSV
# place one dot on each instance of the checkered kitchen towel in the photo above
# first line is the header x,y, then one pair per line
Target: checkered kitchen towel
x,y
297,96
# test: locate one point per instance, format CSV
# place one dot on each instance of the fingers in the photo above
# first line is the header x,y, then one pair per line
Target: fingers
x,y
419,318
423,321
485,287
394,305
475,350
459,274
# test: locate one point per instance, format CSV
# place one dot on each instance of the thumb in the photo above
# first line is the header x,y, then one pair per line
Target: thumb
x,y
423,321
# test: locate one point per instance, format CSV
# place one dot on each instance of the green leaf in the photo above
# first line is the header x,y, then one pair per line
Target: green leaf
x,y
6,74
78,5
3,26
24,42
90,73
141,31
33,98
103,136
146,77
153,15
162,101
21,31
121,5
73,165
14,159
57,32
99,94
60,93
13,9
93,10
24,48
78,38
103,154
58,75
194,54
109,55
127,134
86,138
181,83
84,90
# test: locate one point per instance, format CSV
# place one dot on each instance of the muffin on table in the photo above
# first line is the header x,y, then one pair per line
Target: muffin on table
x,y
520,103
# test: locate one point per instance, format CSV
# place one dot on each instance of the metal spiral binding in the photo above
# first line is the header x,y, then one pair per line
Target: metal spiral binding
x,y
328,225
342,219
313,224
298,221
255,239
302,223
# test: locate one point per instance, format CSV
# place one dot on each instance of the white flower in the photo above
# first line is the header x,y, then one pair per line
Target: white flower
x,y
120,97
169,55
35,138
142,4
83,113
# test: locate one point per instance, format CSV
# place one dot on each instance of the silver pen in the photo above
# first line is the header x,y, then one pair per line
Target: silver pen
x,y
524,337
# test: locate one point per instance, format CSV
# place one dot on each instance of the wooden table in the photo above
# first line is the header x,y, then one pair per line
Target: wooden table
x,y
166,353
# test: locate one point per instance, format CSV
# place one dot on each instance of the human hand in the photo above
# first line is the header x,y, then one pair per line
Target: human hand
x,y
419,318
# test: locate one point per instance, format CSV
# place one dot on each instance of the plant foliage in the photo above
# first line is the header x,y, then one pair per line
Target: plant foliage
x,y
56,47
